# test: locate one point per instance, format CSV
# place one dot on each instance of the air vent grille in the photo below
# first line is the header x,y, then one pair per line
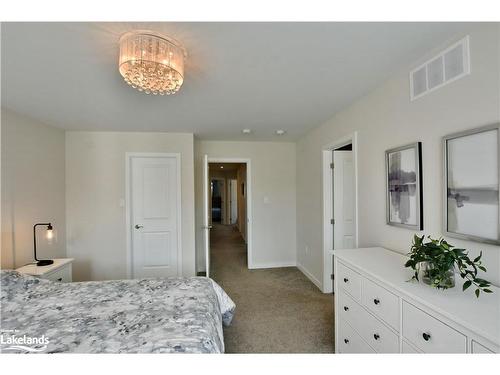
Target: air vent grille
x,y
448,66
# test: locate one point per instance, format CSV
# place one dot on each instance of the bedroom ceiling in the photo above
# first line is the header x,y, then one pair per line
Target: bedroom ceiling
x,y
260,76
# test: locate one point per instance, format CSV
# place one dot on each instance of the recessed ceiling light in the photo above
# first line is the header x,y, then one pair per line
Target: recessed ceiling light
x,y
280,132
246,131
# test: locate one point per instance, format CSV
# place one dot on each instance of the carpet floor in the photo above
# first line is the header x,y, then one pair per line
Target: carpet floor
x,y
278,310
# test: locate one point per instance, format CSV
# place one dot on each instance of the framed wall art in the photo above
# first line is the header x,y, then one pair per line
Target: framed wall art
x,y
471,184
404,186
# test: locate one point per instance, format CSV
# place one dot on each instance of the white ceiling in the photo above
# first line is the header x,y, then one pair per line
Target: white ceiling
x,y
262,76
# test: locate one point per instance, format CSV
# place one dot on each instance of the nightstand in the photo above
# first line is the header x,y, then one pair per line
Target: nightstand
x,y
60,270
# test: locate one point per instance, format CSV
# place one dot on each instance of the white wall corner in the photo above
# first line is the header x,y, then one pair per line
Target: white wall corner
x,y
310,276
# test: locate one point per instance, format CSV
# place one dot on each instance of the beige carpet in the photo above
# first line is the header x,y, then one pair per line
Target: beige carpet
x,y
277,310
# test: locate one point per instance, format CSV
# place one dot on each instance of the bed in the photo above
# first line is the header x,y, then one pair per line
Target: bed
x,y
164,315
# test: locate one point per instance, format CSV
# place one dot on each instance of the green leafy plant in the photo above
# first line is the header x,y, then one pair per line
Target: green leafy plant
x,y
443,258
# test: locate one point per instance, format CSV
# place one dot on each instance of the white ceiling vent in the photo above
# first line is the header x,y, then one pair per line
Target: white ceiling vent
x,y
449,65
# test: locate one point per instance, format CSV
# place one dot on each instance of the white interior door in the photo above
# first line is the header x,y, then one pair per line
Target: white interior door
x,y
206,219
343,200
155,213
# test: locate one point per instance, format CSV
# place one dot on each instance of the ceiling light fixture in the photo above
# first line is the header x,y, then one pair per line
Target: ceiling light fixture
x,y
280,132
151,62
246,131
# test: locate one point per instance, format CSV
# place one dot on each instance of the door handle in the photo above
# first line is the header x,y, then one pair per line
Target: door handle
x,y
207,227
137,226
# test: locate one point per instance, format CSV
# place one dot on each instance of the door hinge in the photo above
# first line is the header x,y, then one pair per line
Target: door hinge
x,y
332,221
331,165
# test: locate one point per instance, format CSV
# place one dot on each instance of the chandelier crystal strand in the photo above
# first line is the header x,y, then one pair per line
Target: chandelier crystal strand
x,y
151,62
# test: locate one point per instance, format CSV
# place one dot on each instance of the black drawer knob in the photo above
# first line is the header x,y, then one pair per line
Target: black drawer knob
x,y
346,341
376,301
346,308
426,336
376,336
346,279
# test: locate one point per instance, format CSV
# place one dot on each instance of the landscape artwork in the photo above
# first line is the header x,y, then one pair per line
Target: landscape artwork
x,y
472,185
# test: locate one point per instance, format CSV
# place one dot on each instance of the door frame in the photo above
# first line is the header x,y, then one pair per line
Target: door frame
x,y
128,204
248,192
328,210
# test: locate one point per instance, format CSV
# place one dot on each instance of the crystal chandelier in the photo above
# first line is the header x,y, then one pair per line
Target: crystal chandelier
x,y
151,62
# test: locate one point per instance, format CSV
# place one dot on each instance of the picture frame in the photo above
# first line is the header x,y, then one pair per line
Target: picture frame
x,y
404,198
471,186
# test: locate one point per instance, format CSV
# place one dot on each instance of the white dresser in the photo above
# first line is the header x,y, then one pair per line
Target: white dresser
x,y
378,311
60,270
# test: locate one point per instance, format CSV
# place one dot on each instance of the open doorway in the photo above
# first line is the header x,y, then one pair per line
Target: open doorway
x,y
340,225
227,214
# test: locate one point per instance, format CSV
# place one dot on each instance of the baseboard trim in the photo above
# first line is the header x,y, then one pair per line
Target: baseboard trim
x,y
272,265
310,276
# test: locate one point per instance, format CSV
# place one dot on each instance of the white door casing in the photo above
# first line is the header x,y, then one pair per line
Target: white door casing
x,y
343,200
206,218
154,205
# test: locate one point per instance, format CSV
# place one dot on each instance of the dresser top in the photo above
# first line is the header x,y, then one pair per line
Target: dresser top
x,y
34,270
480,315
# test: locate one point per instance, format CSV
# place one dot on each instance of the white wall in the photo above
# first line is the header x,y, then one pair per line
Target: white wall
x,y
273,176
33,186
384,119
95,178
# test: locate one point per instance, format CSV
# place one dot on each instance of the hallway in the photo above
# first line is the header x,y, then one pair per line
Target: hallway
x,y
277,310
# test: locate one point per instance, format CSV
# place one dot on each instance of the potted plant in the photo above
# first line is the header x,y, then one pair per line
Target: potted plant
x,y
435,262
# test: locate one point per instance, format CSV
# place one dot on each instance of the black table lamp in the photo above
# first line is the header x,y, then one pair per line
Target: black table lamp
x,y
50,234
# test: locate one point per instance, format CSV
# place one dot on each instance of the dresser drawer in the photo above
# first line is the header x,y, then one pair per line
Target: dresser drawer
x,y
480,349
62,274
349,310
381,302
371,330
350,281
350,341
408,349
429,334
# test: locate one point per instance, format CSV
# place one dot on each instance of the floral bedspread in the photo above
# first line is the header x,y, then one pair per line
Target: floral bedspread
x,y
164,315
